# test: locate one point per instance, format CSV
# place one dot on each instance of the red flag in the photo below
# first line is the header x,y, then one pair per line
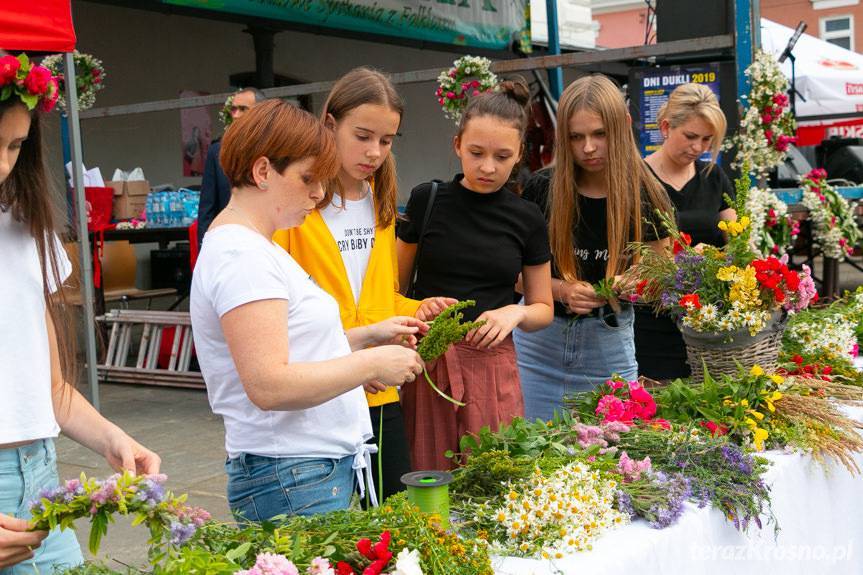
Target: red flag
x,y
44,26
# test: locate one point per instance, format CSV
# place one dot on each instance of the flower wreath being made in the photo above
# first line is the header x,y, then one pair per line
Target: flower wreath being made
x,y
469,76
35,85
89,77
833,223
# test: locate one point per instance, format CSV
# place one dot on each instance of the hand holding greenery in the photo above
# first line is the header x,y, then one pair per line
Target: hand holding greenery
x,y
445,330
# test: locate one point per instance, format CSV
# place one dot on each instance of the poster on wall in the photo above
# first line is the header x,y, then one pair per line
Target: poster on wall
x,y
480,23
196,134
651,88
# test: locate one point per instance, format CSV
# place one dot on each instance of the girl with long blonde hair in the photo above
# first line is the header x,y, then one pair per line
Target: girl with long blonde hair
x,y
595,197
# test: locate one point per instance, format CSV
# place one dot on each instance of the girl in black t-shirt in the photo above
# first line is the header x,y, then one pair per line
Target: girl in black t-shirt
x,y
595,199
691,122
478,239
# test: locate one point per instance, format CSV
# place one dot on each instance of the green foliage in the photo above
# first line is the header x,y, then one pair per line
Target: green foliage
x,y
446,329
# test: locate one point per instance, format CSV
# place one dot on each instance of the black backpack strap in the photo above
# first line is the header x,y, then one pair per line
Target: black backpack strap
x,y
410,291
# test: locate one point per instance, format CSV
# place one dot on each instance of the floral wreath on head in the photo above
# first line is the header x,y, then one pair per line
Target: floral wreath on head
x,y
469,76
225,111
34,85
833,223
89,75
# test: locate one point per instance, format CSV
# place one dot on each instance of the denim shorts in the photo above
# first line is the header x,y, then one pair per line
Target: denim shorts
x,y
561,360
260,488
23,470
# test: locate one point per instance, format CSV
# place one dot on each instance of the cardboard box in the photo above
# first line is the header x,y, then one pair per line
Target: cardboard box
x,y
130,198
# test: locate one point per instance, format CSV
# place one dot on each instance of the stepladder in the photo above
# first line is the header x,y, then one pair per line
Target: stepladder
x,y
164,350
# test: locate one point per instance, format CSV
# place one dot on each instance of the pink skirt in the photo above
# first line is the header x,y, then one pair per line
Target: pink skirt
x,y
485,380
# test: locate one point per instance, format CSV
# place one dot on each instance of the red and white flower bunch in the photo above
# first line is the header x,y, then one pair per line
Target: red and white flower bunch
x,y
833,224
34,85
89,78
469,76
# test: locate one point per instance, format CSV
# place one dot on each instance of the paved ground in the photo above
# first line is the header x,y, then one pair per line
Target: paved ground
x,y
179,426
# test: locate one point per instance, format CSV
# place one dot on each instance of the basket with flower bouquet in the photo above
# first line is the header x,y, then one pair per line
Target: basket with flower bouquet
x,y
730,303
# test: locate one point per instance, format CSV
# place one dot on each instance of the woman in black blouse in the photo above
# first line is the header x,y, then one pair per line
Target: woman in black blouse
x,y
692,123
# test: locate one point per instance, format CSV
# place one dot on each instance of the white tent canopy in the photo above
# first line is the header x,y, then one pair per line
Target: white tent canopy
x,y
829,77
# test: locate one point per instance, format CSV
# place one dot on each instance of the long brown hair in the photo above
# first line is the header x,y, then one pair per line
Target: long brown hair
x,y
626,177
357,87
27,195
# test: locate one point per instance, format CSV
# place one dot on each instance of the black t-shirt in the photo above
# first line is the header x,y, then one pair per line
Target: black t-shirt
x,y
474,245
590,232
699,202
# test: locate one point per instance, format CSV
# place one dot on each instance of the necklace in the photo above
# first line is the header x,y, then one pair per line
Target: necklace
x,y
671,179
248,221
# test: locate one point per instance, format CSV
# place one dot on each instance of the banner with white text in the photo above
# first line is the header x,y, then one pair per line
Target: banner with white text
x,y
480,23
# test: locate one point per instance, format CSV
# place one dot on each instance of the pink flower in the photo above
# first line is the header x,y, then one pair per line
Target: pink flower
x,y
611,407
49,100
37,80
615,384
638,393
9,66
450,95
475,93
663,423
476,83
855,351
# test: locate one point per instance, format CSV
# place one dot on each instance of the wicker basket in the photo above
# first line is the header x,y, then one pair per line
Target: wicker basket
x,y
718,351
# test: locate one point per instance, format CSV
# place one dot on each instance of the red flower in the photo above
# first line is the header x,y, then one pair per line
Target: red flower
x,y
375,568
9,66
364,546
690,300
344,569
37,80
639,289
380,551
639,394
716,430
48,101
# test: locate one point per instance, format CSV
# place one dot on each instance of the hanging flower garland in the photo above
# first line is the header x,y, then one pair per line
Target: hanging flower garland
x,y
225,111
772,229
89,78
833,224
469,76
767,126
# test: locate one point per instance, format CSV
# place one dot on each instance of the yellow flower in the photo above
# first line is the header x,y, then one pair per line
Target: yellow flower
x,y
751,423
777,379
744,402
775,396
755,414
760,436
744,221
756,370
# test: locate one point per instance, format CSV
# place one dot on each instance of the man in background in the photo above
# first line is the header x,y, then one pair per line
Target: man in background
x,y
215,190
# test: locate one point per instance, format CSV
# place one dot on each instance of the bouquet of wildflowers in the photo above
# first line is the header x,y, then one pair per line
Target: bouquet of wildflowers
x,y
767,126
144,496
833,223
830,333
551,515
618,400
720,289
772,229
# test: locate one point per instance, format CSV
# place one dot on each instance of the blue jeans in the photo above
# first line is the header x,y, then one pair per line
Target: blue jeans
x,y
23,470
557,360
260,488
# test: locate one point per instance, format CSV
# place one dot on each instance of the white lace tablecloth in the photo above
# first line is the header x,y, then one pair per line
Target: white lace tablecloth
x,y
820,516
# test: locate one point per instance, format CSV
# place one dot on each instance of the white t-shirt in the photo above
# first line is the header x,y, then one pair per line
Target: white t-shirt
x,y
237,266
26,410
353,228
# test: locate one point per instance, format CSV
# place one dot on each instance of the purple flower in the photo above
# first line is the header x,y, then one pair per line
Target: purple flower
x,y
181,532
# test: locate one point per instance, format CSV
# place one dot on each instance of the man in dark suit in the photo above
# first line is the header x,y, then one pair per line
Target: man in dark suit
x,y
215,190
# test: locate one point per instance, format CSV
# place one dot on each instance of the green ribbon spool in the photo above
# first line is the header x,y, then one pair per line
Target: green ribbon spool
x,y
428,490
